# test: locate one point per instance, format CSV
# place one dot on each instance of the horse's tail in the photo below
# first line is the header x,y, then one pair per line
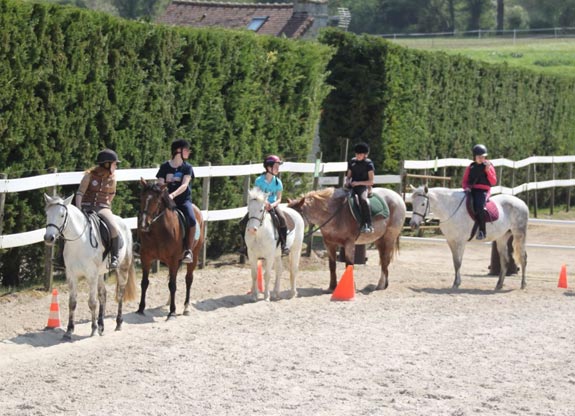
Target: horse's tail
x,y
130,290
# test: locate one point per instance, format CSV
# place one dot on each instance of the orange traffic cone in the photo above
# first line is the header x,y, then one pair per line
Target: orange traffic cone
x,y
563,278
54,317
260,278
345,289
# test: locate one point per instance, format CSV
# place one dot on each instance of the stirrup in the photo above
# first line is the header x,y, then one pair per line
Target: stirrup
x,y
188,257
480,235
285,251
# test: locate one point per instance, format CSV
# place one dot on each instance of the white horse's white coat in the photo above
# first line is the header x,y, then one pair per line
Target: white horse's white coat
x,y
448,205
261,241
83,252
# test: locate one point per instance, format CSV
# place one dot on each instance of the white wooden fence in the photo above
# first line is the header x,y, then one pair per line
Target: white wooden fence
x,y
317,169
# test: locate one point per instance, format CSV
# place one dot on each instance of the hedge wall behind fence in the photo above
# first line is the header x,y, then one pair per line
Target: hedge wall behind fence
x,y
74,81
412,104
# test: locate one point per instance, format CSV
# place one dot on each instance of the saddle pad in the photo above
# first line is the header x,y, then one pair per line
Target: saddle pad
x,y
184,225
377,206
490,208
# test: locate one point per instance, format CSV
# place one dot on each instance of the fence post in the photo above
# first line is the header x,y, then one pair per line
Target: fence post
x,y
205,206
246,185
2,203
535,192
49,251
568,189
551,209
309,242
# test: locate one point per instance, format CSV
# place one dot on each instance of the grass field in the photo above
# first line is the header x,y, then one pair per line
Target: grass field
x,y
547,55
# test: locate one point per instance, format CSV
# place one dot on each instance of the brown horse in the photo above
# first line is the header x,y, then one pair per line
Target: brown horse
x,y
162,238
330,210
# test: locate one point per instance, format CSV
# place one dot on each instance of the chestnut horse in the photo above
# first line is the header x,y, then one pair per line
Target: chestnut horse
x,y
162,238
329,209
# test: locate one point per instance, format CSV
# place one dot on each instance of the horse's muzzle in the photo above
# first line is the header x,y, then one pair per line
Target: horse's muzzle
x,y
252,230
413,224
49,239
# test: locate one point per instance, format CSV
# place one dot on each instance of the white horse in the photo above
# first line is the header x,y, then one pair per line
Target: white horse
x,y
262,242
449,206
83,254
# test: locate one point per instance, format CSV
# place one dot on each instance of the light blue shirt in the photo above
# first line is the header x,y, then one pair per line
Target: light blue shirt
x,y
271,188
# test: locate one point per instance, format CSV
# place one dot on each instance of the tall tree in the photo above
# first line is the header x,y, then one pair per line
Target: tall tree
x,y
500,14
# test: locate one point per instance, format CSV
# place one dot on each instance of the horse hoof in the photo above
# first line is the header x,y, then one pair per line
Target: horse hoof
x,y
118,328
186,313
67,336
140,312
171,317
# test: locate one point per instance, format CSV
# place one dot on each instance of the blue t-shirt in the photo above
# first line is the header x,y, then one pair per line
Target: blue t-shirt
x,y
271,188
173,177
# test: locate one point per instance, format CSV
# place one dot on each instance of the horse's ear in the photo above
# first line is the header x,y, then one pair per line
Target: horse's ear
x,y
163,186
47,199
68,200
143,182
413,188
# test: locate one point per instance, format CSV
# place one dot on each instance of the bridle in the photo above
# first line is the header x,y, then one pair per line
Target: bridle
x,y
259,219
157,214
65,224
314,229
427,208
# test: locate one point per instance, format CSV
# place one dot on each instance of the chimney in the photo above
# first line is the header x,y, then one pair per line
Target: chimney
x,y
316,9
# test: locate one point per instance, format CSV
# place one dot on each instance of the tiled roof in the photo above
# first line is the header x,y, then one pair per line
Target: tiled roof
x,y
281,19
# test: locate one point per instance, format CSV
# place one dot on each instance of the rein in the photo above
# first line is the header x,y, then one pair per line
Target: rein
x,y
427,208
313,230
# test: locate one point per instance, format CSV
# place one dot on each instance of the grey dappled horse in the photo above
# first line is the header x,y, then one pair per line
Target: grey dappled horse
x,y
448,205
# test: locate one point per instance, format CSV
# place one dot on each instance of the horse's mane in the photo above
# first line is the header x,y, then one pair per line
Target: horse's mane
x,y
163,192
257,193
324,199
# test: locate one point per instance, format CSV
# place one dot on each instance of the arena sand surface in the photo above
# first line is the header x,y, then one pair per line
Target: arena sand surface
x,y
417,348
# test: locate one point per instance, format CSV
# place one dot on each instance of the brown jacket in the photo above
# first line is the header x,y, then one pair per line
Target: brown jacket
x,y
97,188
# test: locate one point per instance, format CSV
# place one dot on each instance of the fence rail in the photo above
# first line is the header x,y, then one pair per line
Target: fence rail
x,y
317,169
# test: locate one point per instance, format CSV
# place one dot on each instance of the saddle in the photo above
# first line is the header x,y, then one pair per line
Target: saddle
x,y
100,224
184,224
491,210
377,206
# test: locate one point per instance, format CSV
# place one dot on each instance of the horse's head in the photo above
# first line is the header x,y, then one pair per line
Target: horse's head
x,y
56,217
256,209
420,206
154,199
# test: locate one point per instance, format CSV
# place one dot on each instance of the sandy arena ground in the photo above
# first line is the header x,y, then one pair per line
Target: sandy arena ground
x,y
417,348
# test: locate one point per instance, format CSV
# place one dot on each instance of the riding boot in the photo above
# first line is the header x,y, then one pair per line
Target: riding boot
x,y
481,234
114,253
283,240
188,253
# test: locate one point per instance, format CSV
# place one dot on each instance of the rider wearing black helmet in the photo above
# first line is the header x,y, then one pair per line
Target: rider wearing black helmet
x,y
96,192
359,177
177,174
478,179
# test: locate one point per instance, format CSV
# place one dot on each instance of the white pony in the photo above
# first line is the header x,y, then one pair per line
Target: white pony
x,y
83,253
448,205
262,242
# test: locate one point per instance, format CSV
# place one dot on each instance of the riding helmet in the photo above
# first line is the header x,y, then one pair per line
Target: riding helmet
x,y
271,160
107,156
179,144
361,148
479,150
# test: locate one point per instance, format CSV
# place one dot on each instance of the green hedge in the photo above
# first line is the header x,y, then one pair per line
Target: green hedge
x,y
411,104
75,81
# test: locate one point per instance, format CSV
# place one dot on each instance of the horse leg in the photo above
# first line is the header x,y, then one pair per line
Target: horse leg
x,y
503,259
146,263
385,249
189,281
93,302
72,302
331,252
457,249
102,308
122,279
293,271
267,277
520,254
278,270
254,272
172,284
